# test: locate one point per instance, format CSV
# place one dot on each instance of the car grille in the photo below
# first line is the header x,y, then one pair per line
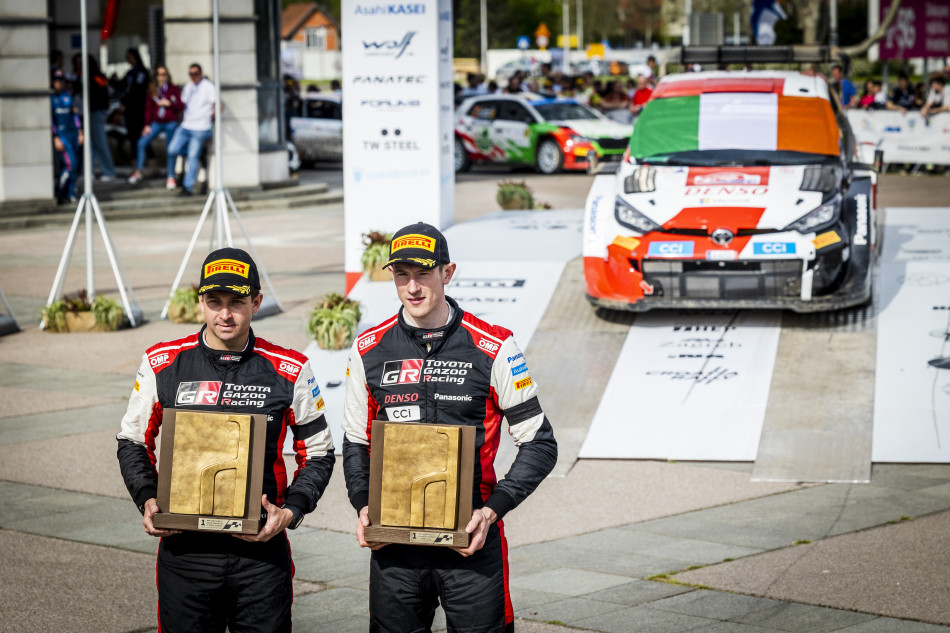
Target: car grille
x,y
613,143
677,279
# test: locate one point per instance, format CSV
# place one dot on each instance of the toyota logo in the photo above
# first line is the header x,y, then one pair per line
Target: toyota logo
x,y
722,236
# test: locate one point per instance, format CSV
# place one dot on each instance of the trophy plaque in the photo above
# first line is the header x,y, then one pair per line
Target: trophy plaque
x,y
211,471
420,483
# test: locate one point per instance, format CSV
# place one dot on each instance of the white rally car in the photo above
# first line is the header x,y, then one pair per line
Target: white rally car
x,y
738,190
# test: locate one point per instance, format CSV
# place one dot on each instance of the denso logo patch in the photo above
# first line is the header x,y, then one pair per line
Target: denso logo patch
x,y
773,248
401,372
199,392
290,368
670,249
398,398
488,346
157,360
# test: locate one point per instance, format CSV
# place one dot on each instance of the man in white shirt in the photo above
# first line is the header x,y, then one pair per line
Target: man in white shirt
x,y
195,128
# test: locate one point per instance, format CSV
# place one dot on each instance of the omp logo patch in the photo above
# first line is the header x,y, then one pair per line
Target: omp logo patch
x,y
414,240
401,371
524,382
290,368
158,359
199,392
366,342
488,346
226,266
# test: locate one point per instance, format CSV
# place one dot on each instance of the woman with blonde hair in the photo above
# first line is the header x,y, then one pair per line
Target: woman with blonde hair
x,y
163,106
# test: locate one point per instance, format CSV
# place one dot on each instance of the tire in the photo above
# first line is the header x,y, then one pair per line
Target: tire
x,y
549,158
462,160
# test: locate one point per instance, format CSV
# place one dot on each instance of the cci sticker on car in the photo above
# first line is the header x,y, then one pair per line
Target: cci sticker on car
x,y
773,248
670,249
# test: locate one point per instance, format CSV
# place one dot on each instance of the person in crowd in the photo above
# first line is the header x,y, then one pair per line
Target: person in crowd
x,y
98,112
866,102
493,88
134,95
67,137
640,96
902,97
198,96
514,84
938,98
475,85
616,103
843,87
407,582
162,109
211,580
335,85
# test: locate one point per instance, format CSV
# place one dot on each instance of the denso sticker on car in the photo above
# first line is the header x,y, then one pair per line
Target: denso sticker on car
x,y
670,249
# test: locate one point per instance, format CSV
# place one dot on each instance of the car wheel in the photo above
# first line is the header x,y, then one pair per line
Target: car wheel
x,y
549,157
462,160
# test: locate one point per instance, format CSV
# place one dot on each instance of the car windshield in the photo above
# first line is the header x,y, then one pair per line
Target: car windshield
x,y
735,128
564,111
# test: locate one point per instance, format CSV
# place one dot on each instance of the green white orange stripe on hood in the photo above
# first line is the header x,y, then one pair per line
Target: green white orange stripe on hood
x,y
735,120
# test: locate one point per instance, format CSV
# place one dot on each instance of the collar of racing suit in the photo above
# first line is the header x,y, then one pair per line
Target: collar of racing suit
x,y
433,337
223,356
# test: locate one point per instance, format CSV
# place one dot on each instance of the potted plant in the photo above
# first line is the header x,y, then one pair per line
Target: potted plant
x,y
513,194
375,255
184,306
75,313
332,323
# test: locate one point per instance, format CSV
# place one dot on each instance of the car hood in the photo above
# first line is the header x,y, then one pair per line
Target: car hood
x,y
595,128
727,197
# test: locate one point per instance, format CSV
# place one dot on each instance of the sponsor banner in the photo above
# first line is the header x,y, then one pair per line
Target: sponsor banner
x,y
912,379
922,29
688,386
903,137
509,264
397,77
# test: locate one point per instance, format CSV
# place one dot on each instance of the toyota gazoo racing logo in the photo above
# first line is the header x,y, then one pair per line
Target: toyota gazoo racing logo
x,y
158,359
401,372
198,393
290,368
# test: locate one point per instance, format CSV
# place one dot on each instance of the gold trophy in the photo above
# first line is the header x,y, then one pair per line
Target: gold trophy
x,y
211,471
420,483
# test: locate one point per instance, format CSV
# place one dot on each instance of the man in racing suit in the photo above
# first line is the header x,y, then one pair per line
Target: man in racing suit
x,y
435,363
207,581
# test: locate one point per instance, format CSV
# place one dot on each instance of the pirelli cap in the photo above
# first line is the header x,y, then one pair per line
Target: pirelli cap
x,y
420,244
231,270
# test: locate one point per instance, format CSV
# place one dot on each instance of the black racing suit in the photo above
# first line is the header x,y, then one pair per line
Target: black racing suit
x,y
209,580
467,372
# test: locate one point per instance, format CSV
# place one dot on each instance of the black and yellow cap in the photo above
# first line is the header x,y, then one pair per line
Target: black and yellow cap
x,y
231,270
419,244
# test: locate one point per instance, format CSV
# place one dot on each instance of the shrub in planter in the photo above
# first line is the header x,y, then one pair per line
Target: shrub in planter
x,y
184,307
375,254
513,194
332,323
74,313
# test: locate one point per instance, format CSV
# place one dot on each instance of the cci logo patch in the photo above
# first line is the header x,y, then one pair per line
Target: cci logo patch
x,y
401,371
414,240
670,249
773,248
404,414
226,266
200,392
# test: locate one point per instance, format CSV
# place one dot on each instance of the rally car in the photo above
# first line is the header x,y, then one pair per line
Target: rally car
x,y
316,127
551,134
738,189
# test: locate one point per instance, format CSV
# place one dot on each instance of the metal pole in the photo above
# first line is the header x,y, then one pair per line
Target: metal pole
x,y
566,43
833,19
688,12
483,12
580,24
217,101
87,152
735,28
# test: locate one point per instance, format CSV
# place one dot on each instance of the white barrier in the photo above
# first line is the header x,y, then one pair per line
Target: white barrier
x,y
905,137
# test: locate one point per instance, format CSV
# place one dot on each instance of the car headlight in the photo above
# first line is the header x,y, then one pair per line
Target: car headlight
x,y
818,219
823,178
577,138
629,217
642,180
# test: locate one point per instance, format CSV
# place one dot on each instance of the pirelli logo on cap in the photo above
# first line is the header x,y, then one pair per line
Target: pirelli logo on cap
x,y
524,382
414,240
226,266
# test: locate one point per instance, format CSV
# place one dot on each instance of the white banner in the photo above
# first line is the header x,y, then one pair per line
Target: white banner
x,y
912,383
904,137
688,386
397,119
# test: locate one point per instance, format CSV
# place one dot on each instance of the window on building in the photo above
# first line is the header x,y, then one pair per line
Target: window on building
x,y
317,38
